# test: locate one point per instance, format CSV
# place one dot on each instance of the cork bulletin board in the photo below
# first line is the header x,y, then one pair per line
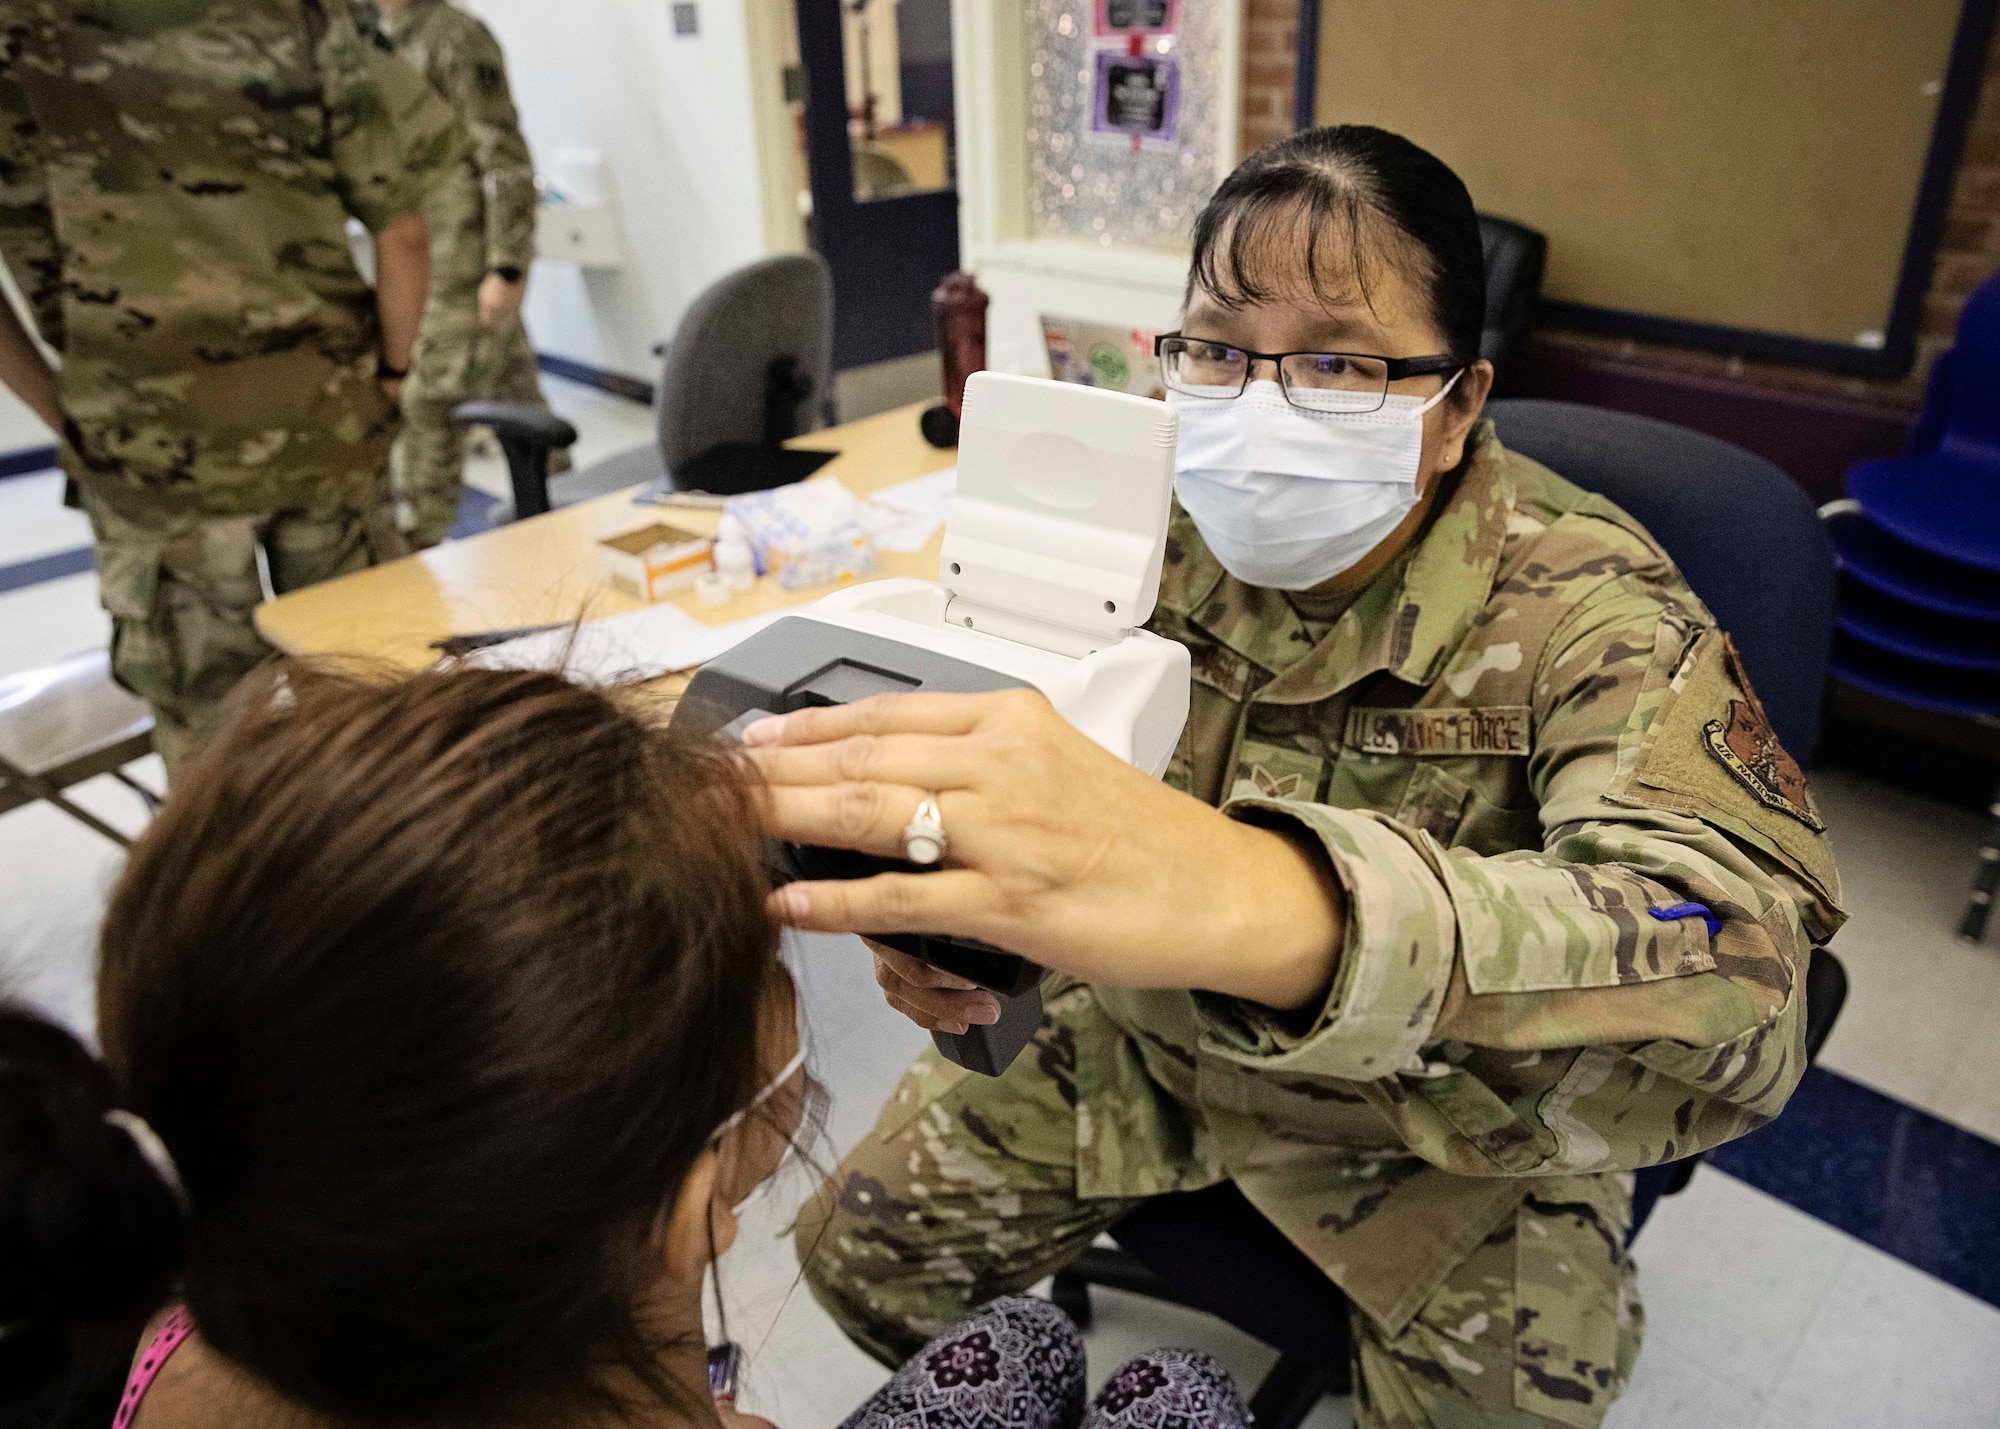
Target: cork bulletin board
x,y
1760,178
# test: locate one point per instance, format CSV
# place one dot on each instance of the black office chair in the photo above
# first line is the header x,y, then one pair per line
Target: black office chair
x,y
750,366
1515,258
1744,534
1753,548
527,435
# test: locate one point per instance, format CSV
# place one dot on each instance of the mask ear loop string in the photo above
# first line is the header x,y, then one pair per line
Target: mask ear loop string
x,y
791,1069
798,1279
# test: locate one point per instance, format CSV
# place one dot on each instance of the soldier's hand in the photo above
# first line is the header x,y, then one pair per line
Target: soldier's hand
x,y
1059,850
500,300
932,998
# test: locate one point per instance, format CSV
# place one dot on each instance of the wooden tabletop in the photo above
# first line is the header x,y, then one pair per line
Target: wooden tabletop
x,y
545,569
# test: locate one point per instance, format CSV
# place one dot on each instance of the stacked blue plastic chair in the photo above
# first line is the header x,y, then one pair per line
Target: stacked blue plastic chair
x,y
1918,613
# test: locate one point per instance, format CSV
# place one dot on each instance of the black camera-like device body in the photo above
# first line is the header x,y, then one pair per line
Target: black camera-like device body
x,y
798,662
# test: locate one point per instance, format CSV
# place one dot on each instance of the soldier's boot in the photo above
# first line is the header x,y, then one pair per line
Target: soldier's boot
x,y
965,1190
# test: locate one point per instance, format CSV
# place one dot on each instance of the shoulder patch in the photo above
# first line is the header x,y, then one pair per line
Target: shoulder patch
x,y
1710,753
1747,748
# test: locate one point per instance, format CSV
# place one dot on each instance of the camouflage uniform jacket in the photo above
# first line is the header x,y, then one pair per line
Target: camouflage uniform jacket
x,y
175,180
1526,751
482,216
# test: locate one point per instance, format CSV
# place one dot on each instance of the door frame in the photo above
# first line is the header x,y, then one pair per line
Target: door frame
x,y
889,247
764,38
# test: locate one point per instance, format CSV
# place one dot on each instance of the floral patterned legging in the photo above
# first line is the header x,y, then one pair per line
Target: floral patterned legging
x,y
1018,1364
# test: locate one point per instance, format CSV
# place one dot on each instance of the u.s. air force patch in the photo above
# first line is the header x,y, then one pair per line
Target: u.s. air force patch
x,y
1747,748
1420,733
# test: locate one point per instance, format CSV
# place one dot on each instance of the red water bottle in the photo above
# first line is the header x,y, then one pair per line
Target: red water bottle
x,y
960,310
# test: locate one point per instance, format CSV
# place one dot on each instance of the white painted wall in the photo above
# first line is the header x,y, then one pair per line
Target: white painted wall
x,y
674,118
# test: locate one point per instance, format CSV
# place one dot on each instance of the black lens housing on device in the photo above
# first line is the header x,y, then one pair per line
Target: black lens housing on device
x,y
797,663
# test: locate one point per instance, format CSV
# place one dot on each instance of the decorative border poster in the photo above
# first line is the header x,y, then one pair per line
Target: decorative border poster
x,y
1148,19
1136,97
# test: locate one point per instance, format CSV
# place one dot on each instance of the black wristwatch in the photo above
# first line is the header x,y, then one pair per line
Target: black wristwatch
x,y
385,373
506,273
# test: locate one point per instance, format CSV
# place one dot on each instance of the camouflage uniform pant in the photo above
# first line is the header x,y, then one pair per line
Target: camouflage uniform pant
x,y
966,1190
181,597
457,361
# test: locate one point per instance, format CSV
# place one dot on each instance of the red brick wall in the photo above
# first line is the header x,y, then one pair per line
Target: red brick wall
x,y
1270,61
1968,253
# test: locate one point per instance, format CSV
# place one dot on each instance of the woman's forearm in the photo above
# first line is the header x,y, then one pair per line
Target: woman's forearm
x,y
1291,916
402,285
26,372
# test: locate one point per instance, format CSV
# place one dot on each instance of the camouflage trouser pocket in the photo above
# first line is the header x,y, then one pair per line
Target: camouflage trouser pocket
x,y
181,616
1577,1319
128,584
1539,1326
128,577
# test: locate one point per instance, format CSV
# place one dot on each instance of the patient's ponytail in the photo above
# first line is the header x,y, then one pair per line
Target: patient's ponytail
x,y
92,1228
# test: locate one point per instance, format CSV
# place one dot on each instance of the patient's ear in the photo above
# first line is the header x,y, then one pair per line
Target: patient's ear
x,y
695,1230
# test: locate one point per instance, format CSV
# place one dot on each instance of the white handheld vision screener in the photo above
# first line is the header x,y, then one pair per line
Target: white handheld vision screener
x,y
1051,563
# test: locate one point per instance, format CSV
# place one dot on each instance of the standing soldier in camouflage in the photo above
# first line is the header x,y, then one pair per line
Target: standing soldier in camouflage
x,y
482,241
175,181
1511,889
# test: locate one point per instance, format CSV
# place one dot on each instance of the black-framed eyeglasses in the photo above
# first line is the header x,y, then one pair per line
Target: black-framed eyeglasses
x,y
1312,381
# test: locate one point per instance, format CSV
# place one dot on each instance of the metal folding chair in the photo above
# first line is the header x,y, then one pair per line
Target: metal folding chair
x,y
65,723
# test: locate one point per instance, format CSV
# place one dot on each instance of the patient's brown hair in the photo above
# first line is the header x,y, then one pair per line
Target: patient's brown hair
x,y
435,987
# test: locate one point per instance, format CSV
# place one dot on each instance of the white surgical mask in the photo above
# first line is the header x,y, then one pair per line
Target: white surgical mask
x,y
1286,498
772,1088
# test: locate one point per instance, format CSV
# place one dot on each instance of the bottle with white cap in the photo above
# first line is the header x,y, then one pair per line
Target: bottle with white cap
x,y
733,558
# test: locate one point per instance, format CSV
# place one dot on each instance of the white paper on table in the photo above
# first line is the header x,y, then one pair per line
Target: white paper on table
x,y
637,645
905,516
921,494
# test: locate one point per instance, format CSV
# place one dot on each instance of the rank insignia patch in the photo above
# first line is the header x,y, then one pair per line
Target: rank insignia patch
x,y
1275,771
1748,749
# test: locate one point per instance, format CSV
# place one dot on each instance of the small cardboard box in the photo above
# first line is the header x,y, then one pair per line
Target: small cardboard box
x,y
653,560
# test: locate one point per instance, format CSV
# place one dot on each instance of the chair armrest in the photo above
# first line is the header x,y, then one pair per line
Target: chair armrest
x,y
537,424
527,435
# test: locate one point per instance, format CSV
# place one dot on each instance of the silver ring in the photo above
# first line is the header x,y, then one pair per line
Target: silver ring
x,y
924,838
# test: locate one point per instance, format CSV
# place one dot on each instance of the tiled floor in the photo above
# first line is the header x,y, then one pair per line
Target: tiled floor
x,y
1760,1316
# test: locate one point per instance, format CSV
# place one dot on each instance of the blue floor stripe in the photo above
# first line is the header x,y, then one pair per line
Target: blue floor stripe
x,y
46,568
598,377
26,460
1925,1191
477,512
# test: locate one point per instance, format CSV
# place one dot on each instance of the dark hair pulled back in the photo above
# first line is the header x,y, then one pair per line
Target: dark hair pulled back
x,y
435,988
1331,205
89,1232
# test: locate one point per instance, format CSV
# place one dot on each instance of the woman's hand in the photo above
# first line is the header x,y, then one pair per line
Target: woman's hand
x,y
1059,851
932,998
